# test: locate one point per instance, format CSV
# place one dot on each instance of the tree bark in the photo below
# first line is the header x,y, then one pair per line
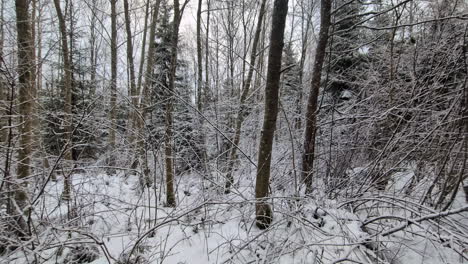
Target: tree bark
x,y
264,214
39,47
245,92
144,94
306,18
66,194
311,116
113,84
2,24
34,79
143,46
26,101
199,59
207,46
201,85
92,43
169,159
3,89
131,66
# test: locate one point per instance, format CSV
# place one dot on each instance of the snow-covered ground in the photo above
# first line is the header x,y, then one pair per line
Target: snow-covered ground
x,y
110,221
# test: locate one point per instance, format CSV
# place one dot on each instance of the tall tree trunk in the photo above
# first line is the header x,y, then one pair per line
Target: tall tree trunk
x,y
131,66
263,212
311,116
68,97
245,92
35,122
113,84
92,43
169,159
39,47
305,25
3,89
207,47
200,85
144,94
199,59
2,24
143,46
26,101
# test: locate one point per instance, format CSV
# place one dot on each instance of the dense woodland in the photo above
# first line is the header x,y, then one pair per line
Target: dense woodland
x,y
233,131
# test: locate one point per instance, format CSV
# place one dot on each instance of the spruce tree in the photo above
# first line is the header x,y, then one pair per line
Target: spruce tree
x,y
186,142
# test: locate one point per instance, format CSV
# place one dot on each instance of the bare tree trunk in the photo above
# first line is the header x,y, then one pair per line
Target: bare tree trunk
x,y
199,59
144,94
93,56
169,159
259,76
219,141
131,66
311,116
245,92
3,90
201,86
207,47
113,84
33,39
26,101
33,65
143,46
66,195
263,212
305,24
39,47
2,23
151,50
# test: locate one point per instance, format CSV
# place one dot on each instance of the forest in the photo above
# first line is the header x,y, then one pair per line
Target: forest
x,y
233,131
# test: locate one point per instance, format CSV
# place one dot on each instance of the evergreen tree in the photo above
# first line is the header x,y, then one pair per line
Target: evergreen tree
x,y
290,83
346,61
186,143
87,112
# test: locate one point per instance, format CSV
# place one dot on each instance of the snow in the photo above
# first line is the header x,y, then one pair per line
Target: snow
x,y
346,95
211,227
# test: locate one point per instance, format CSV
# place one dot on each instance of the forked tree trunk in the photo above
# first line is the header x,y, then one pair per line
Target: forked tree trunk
x,y
245,92
68,98
263,212
311,116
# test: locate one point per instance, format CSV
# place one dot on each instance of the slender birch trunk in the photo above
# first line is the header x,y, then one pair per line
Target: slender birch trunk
x,y
311,116
66,195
